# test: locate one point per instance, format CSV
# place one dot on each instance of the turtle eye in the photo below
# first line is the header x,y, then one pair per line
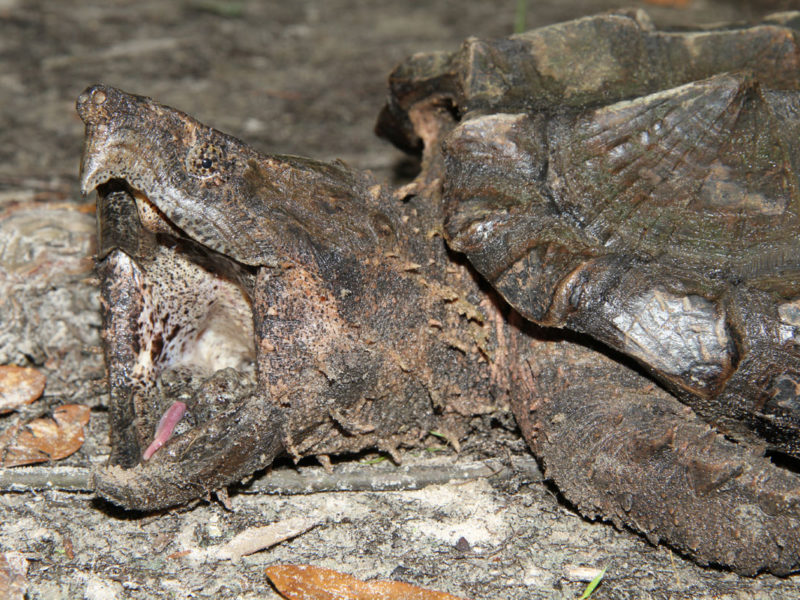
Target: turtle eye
x,y
205,160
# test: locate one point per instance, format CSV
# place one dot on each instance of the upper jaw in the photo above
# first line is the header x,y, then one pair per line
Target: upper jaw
x,y
106,155
93,106
118,141
92,172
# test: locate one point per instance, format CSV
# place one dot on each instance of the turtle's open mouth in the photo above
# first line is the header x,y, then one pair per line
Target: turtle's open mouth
x,y
186,416
177,320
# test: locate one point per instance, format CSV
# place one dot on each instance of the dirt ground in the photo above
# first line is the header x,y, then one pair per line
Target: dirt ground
x,y
304,77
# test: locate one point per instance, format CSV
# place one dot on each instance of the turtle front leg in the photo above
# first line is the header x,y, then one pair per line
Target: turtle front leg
x,y
620,448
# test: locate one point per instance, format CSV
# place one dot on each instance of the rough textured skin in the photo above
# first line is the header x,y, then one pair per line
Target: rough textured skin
x,y
295,307
649,199
339,307
622,449
665,226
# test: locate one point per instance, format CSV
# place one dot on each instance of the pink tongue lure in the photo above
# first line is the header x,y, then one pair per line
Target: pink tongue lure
x,y
165,428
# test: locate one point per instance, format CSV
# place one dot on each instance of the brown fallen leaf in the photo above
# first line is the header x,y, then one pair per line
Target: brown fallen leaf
x,y
13,571
307,582
19,386
44,439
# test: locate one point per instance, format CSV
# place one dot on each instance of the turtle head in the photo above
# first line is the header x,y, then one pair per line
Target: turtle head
x,y
181,172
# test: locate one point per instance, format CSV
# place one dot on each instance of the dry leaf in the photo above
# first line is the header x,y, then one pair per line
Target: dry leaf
x,y
13,570
251,540
19,386
44,439
306,582
257,538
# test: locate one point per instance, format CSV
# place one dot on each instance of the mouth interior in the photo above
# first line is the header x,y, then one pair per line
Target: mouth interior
x,y
193,329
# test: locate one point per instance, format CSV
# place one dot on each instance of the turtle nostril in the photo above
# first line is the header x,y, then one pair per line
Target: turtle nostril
x,y
99,96
90,100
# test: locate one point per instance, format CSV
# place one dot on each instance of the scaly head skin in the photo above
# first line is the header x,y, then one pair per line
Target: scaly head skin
x,y
179,164
259,304
215,188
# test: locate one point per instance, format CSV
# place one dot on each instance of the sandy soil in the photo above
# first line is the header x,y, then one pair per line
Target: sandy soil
x,y
305,77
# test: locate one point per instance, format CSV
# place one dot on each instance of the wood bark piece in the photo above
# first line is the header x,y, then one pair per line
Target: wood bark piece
x,y
254,539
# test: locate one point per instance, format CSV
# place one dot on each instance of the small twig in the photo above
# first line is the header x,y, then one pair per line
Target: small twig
x,y
23,479
306,480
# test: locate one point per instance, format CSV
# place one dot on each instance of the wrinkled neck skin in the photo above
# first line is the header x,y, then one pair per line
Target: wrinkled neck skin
x,y
337,321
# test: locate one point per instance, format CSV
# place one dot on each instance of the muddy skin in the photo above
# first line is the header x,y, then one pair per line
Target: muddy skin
x,y
348,333
291,306
649,200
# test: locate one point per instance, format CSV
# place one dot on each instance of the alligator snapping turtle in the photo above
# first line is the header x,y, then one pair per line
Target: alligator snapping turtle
x,y
633,185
